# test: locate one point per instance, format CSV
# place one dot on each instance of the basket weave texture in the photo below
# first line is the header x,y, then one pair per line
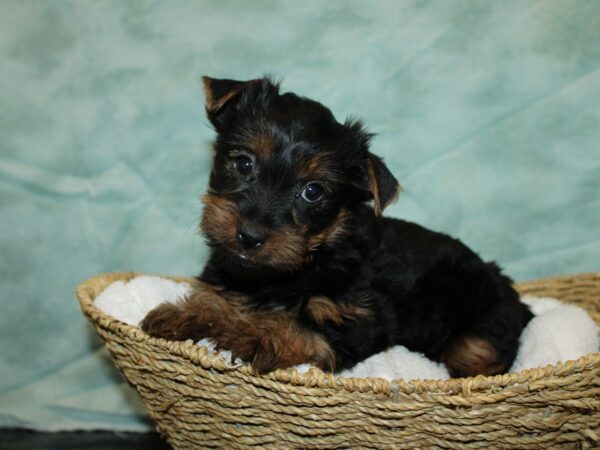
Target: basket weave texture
x,y
197,400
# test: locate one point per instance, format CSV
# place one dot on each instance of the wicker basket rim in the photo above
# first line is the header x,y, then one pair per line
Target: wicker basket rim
x,y
315,378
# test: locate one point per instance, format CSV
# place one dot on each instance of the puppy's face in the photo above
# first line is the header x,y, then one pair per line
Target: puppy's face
x,y
285,176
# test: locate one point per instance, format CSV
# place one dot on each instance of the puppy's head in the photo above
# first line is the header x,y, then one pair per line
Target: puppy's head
x,y
286,175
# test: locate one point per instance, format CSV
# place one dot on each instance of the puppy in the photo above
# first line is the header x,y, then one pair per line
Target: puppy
x,y
303,269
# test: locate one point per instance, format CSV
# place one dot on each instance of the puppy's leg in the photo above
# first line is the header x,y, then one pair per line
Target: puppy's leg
x,y
489,324
285,343
472,355
191,318
470,316
270,340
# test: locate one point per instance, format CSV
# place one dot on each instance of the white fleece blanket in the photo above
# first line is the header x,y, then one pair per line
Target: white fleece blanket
x,y
558,332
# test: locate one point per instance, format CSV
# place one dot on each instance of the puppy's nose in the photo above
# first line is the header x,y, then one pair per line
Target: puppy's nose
x,y
250,236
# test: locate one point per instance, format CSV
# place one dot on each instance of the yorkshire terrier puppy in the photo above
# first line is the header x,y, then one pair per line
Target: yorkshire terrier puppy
x,y
303,269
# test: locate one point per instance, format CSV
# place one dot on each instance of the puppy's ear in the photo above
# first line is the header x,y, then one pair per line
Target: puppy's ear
x,y
218,92
223,98
384,187
368,173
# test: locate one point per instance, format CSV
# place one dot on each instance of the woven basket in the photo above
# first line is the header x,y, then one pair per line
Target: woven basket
x,y
198,401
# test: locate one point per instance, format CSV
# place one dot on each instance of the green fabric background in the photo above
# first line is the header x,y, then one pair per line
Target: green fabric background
x,y
487,111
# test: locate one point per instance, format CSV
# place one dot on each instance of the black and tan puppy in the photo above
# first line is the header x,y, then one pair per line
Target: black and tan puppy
x,y
303,270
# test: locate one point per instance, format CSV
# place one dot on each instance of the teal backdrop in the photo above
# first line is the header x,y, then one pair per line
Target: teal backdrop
x,y
488,112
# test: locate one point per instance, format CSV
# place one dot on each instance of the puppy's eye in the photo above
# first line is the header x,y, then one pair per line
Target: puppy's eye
x,y
312,192
243,165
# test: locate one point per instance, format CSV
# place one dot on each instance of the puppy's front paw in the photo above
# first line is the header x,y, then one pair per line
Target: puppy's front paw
x,y
266,358
270,353
169,321
254,348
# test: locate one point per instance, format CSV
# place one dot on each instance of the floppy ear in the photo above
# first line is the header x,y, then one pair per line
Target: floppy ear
x,y
384,187
220,94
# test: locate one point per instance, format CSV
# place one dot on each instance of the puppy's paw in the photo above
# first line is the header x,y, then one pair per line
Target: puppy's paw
x,y
267,351
266,358
324,362
471,356
256,349
169,321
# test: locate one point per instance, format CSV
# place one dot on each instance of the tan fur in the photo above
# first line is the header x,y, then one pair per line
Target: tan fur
x,y
214,104
219,218
377,206
322,309
394,199
331,233
469,356
268,340
285,248
311,169
262,145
